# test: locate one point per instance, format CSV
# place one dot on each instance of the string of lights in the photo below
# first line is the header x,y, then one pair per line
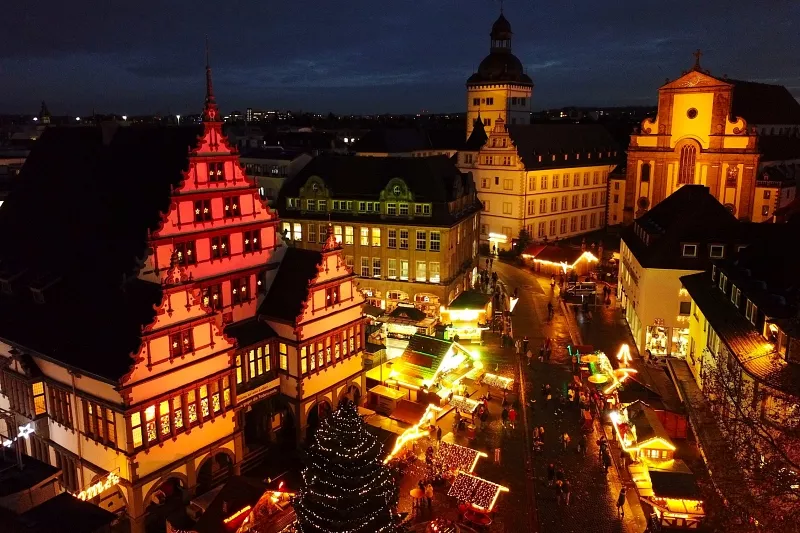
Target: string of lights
x,y
454,457
475,491
346,488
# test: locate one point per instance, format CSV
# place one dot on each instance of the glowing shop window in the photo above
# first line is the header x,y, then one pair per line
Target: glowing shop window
x,y
38,398
190,399
163,411
204,400
136,427
177,415
303,360
150,423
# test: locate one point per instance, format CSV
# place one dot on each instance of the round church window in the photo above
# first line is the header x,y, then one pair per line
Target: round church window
x,y
692,113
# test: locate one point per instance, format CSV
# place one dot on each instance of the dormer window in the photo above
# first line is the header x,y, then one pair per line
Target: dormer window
x,y
397,190
716,251
689,250
391,208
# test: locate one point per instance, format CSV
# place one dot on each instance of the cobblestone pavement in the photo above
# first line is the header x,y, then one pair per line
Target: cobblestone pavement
x,y
594,494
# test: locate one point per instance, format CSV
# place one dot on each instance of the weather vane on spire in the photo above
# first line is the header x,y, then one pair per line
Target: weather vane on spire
x,y
210,112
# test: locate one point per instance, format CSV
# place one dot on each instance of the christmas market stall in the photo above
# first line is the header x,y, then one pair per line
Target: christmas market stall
x,y
476,498
467,316
558,260
401,324
670,488
430,370
503,383
641,433
453,458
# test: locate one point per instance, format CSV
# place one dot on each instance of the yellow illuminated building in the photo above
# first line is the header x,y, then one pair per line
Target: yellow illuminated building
x,y
549,179
735,137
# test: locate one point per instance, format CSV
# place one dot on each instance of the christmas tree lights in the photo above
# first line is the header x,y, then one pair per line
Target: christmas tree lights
x,y
346,487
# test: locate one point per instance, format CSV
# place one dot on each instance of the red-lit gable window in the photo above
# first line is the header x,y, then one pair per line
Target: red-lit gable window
x,y
232,207
331,296
240,290
181,343
220,246
202,210
185,251
261,285
251,241
216,172
212,297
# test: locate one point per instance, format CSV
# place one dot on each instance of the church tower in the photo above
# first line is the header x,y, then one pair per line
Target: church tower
x,y
500,89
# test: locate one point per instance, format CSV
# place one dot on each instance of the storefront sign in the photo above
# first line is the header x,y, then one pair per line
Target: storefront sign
x,y
257,394
98,488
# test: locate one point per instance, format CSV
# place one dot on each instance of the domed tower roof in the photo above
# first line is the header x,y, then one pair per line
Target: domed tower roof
x,y
501,29
500,65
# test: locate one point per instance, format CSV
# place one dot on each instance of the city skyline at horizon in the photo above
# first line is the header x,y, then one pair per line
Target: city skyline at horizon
x,y
138,63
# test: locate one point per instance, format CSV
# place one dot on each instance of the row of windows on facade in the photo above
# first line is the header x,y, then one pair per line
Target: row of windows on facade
x,y
559,227
715,251
426,271
165,418
557,181
513,100
396,239
593,200
346,206
266,170
186,253
333,348
231,208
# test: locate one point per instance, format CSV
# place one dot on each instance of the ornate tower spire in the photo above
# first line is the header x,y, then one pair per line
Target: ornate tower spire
x,y
211,111
330,241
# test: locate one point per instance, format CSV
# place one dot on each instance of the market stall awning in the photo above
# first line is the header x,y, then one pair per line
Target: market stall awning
x,y
475,491
454,457
557,255
470,300
407,314
371,310
422,356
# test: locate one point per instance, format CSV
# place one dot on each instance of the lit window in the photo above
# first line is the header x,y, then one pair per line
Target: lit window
x,y
216,172
348,234
136,429
38,398
376,236
376,267
331,296
337,233
298,232
433,274
202,211
150,423
364,236
251,241
191,402
284,356
220,246
180,343
204,401
185,253
421,271
177,413
212,297
163,413
231,207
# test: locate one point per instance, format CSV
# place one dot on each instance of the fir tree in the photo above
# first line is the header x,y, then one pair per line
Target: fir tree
x,y
346,486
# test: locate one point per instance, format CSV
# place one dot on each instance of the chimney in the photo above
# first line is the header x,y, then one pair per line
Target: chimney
x,y
108,128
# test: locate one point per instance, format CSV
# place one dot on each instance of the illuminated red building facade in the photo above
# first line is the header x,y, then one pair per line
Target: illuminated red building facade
x,y
163,336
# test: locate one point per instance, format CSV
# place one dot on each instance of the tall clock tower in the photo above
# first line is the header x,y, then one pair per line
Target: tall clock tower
x,y
500,89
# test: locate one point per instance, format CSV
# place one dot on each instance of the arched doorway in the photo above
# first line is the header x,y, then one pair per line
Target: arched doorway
x,y
318,413
164,500
213,471
352,393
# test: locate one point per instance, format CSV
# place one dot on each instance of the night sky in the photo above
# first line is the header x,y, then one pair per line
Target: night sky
x,y
374,56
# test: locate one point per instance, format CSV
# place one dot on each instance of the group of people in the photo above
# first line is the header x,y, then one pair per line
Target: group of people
x,y
557,480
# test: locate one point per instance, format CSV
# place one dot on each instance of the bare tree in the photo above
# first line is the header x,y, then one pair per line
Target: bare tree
x,y
756,466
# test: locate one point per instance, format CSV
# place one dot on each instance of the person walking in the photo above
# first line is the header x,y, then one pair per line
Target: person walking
x,y
525,343
551,474
559,491
512,417
549,310
582,445
621,503
606,461
429,495
565,440
567,490
504,416
529,355
438,434
541,433
623,457
518,346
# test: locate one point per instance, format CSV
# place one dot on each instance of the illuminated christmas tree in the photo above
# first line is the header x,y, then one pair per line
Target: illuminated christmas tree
x,y
346,486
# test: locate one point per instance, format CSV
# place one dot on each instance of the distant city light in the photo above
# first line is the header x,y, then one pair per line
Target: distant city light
x,y
78,119
124,117
35,119
178,117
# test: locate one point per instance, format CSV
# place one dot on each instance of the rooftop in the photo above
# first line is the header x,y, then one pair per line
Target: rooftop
x,y
92,206
563,145
66,514
402,140
288,293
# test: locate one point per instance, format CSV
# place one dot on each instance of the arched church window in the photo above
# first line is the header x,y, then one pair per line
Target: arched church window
x,y
688,161
645,172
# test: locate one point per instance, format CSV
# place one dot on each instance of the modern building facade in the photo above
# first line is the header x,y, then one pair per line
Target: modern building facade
x,y
408,226
728,135
173,346
271,168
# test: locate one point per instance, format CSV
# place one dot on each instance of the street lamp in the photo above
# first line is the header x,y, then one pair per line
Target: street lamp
x,y
77,119
124,117
178,117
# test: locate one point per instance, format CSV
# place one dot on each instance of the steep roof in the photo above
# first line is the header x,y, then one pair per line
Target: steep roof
x,y
424,354
690,215
86,207
249,332
646,422
674,484
779,147
289,290
763,103
429,178
575,141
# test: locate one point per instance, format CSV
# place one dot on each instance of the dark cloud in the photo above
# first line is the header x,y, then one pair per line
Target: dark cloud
x,y
373,56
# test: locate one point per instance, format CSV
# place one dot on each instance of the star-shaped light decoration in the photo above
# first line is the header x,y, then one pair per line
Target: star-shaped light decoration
x,y
25,431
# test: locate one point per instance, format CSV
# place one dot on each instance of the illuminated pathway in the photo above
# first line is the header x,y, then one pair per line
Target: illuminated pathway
x,y
593,504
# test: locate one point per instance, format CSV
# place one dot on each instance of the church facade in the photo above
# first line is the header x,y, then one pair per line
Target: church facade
x,y
738,138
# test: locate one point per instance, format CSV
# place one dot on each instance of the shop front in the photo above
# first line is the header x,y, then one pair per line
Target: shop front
x,y
656,339
467,316
680,342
